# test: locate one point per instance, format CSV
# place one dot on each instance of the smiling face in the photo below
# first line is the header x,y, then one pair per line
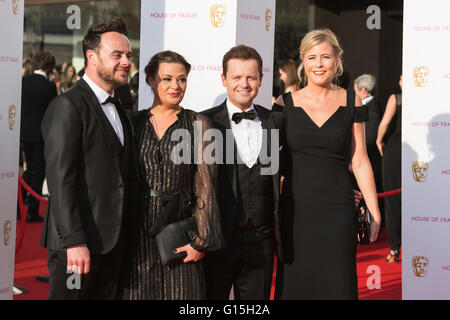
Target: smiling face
x,y
242,80
169,84
112,59
320,63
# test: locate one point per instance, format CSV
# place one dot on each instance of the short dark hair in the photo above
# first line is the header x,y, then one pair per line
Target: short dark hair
x,y
43,60
91,40
242,52
164,56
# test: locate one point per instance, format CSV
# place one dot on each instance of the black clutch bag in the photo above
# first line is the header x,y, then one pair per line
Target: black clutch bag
x,y
172,236
363,218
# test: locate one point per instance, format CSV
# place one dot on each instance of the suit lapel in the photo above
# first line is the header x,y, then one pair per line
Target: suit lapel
x,y
105,126
223,124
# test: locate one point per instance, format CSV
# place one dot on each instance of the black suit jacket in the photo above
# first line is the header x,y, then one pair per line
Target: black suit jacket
x,y
87,191
371,135
37,92
227,194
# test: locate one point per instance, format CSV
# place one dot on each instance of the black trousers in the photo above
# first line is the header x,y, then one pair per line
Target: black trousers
x,y
35,174
246,264
101,283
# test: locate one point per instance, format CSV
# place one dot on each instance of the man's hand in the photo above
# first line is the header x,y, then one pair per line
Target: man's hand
x,y
79,259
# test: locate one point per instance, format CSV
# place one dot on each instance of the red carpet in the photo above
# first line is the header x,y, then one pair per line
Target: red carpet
x,y
32,261
370,260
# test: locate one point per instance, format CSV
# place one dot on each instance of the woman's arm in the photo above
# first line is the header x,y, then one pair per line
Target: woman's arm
x,y
384,123
362,170
209,228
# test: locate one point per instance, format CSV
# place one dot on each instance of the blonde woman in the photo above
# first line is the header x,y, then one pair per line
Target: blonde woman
x,y
325,130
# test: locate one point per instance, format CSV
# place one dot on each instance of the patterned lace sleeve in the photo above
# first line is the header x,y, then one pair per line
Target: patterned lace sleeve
x,y
209,230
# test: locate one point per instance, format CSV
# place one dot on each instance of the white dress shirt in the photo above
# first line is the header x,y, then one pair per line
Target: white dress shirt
x,y
366,100
247,135
109,109
40,72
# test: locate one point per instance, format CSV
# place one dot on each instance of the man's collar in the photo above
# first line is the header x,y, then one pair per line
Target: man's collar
x,y
41,73
366,100
101,94
233,109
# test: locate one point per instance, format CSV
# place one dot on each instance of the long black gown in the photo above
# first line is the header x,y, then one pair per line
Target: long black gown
x,y
392,180
318,196
146,278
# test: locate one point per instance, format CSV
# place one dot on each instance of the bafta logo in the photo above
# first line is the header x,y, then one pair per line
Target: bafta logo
x,y
268,19
11,116
421,74
420,170
218,13
15,6
7,232
420,266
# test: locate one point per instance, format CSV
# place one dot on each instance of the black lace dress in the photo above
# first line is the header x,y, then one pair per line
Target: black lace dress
x,y
146,277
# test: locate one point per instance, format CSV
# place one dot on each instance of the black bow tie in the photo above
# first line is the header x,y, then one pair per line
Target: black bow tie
x,y
113,100
238,116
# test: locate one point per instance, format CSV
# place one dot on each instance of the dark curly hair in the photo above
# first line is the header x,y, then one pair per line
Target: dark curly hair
x,y
91,40
164,56
43,60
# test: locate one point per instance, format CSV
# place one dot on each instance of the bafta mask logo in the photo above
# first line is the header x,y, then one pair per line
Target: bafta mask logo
x,y
420,170
218,14
15,6
420,266
421,74
11,115
268,19
7,226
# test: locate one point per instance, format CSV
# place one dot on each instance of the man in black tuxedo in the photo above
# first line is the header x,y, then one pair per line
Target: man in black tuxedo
x,y
37,92
248,193
364,86
90,173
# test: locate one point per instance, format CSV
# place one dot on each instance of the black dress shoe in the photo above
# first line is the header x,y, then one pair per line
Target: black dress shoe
x,y
34,218
42,278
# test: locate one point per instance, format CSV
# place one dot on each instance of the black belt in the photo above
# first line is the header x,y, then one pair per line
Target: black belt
x,y
162,195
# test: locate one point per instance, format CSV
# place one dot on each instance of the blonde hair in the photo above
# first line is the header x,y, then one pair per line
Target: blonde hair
x,y
314,38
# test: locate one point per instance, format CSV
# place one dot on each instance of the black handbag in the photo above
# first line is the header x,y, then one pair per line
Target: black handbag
x,y
175,226
173,236
363,219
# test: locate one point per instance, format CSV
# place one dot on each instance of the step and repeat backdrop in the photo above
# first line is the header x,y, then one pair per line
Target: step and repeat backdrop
x,y
11,38
203,31
425,152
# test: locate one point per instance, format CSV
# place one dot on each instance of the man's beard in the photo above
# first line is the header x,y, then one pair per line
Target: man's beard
x,y
108,76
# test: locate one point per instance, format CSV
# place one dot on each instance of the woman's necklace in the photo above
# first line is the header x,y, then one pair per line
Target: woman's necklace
x,y
157,127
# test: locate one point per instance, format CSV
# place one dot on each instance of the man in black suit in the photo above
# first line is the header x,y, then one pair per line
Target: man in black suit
x,y
90,173
249,183
37,92
364,86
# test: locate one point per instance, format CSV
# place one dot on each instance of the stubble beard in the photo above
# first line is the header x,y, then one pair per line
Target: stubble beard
x,y
108,76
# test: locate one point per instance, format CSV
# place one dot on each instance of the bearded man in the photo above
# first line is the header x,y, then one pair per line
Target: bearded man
x,y
90,173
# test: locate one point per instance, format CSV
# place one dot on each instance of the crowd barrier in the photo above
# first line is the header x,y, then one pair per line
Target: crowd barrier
x,y
21,233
